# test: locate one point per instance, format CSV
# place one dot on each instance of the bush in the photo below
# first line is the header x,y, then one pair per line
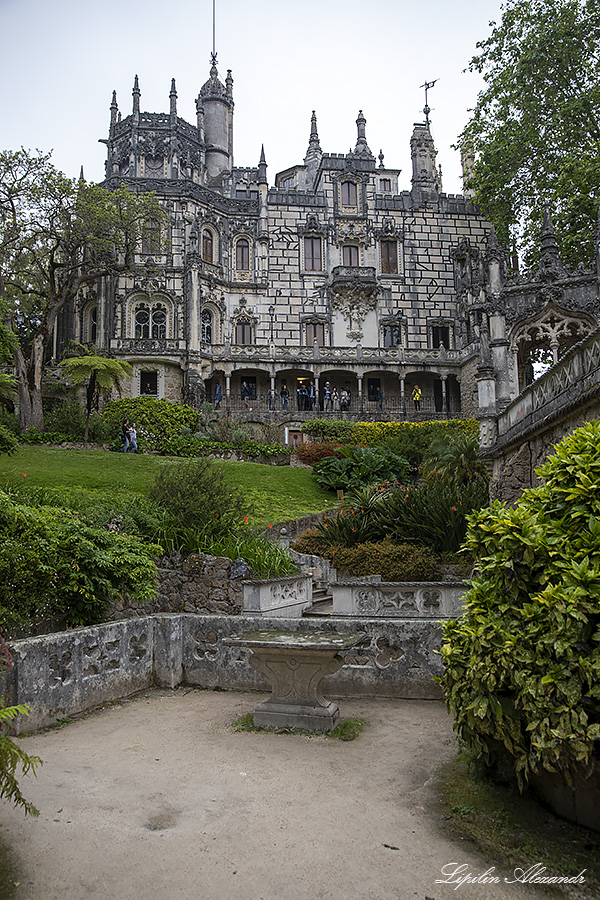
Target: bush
x,y
157,420
360,466
394,562
331,430
8,441
54,565
314,452
66,418
266,560
522,666
199,504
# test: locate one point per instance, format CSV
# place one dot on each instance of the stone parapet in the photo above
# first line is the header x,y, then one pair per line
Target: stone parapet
x,y
432,599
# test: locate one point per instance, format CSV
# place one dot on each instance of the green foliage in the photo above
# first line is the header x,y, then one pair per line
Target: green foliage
x,y
158,421
52,564
360,466
266,560
330,430
199,502
8,442
345,730
434,515
188,445
99,374
454,458
394,562
522,666
535,129
14,760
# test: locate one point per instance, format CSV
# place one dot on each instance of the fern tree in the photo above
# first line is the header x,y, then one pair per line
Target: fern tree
x,y
99,374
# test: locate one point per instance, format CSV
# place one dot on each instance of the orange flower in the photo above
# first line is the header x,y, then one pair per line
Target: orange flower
x,y
245,518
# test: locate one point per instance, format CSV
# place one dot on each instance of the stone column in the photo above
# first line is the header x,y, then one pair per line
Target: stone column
x,y
359,379
444,379
227,392
402,401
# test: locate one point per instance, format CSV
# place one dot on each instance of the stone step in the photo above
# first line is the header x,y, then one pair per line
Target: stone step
x,y
322,605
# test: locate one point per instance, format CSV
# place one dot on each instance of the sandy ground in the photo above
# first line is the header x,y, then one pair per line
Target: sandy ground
x,y
157,797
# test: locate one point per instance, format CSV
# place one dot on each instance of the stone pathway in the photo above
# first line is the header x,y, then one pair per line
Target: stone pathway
x,y
156,797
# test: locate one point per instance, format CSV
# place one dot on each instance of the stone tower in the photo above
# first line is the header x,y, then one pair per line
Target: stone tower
x,y
214,108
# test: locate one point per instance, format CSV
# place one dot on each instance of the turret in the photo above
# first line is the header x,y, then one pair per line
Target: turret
x,y
362,148
136,99
173,103
426,179
215,119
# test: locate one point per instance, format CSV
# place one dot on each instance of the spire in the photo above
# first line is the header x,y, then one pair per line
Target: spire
x,y
427,109
81,175
467,158
426,179
313,141
314,154
136,96
262,167
114,109
229,84
362,148
173,99
550,265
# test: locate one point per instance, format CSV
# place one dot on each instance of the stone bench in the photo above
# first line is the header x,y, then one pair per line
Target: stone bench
x,y
295,664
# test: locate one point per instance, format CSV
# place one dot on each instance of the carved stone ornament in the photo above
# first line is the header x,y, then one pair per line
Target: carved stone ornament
x,y
354,304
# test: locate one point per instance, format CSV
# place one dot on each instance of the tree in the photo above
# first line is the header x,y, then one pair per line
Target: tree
x,y
97,373
535,130
58,236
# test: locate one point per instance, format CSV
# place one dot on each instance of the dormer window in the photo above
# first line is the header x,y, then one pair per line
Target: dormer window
x,y
349,193
385,185
287,184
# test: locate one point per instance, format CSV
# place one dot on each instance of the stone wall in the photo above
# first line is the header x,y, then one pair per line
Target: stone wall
x,y
59,675
198,583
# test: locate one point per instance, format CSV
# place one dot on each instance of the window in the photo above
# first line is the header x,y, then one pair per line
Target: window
x,y
207,327
154,166
243,333
159,323
287,184
242,255
240,193
349,255
149,384
392,335
253,195
315,331
441,335
389,257
312,254
348,193
142,322
385,184
207,245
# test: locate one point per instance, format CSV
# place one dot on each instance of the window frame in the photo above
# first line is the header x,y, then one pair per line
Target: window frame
x,y
240,245
310,241
208,246
346,251
349,194
389,262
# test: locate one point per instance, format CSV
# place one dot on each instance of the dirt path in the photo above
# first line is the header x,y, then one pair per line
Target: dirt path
x,y
157,798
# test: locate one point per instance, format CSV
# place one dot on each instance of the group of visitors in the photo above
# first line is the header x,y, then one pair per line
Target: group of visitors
x,y
332,400
128,435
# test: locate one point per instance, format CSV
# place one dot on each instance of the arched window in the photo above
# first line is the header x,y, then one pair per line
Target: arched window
x,y
392,335
207,246
349,194
159,323
207,327
242,255
142,322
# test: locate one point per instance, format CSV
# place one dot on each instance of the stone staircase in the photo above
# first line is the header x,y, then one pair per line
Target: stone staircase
x,y
322,603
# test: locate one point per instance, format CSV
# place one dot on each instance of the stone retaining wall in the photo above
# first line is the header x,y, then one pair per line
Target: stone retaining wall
x,y
58,675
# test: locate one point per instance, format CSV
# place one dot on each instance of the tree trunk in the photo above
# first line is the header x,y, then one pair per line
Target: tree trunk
x,y
30,389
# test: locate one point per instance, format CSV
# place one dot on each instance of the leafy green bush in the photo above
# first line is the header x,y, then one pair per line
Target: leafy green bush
x,y
188,445
360,466
199,503
52,564
33,436
8,441
65,417
394,562
331,430
522,666
454,458
157,420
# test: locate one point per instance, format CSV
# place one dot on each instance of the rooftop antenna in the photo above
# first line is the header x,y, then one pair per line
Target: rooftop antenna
x,y
426,108
213,55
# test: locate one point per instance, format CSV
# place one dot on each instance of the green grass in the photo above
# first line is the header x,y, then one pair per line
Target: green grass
x,y
514,830
277,493
345,730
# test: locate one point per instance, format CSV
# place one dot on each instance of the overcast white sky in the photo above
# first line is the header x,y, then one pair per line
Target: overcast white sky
x,y
61,60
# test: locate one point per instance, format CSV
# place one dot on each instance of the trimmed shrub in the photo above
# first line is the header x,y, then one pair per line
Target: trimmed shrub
x,y
394,562
522,666
157,420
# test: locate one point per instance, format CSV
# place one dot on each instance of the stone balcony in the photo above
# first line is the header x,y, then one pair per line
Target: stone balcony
x,y
149,346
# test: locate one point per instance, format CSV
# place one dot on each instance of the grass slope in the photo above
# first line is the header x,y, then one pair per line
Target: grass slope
x,y
277,493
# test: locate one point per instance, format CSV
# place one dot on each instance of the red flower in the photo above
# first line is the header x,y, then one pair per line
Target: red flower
x,y
245,518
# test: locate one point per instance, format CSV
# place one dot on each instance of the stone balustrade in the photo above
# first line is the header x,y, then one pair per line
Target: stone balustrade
x,y
439,600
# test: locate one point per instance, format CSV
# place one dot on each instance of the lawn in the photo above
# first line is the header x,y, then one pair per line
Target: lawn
x,y
277,493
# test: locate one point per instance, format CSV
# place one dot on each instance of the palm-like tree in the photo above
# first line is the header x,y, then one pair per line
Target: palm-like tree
x,y
97,373
454,459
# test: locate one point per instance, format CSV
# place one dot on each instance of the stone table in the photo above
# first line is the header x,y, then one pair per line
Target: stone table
x,y
295,663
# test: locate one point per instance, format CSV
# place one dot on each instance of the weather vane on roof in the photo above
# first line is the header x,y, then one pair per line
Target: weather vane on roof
x,y
427,108
213,55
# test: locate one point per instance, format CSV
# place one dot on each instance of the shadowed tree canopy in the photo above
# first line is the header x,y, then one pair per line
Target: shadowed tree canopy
x,y
535,130
57,237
